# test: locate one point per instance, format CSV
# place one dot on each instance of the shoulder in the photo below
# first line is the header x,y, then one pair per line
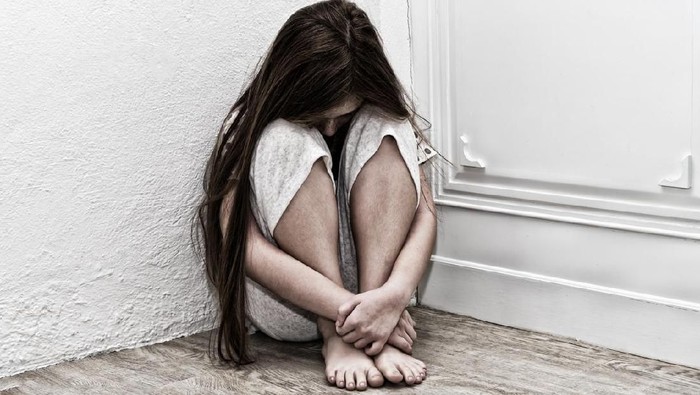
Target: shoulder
x,y
281,130
281,125
374,117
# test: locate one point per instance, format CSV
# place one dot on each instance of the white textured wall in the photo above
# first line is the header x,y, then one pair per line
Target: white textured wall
x,y
109,111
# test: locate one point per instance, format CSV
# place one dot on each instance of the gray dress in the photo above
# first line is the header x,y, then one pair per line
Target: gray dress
x,y
281,163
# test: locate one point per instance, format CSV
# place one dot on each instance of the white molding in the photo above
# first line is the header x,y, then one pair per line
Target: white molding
x,y
695,90
668,214
559,196
527,276
632,322
685,179
574,215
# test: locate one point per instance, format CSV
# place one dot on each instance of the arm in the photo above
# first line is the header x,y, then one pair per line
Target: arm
x,y
291,279
373,314
414,256
287,277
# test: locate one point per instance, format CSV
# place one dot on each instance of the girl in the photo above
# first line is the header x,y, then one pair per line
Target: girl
x,y
317,219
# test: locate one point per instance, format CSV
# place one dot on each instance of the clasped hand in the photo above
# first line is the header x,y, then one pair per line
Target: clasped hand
x,y
374,318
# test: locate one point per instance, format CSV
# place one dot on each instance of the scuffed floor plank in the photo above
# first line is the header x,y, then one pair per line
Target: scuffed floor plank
x,y
464,356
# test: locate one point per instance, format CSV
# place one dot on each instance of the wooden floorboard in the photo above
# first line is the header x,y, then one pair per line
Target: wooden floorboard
x,y
464,356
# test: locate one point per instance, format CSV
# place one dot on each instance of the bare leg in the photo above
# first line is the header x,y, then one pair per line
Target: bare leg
x,y
308,231
382,207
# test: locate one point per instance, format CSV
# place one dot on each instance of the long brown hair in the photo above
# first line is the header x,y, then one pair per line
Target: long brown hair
x,y
322,54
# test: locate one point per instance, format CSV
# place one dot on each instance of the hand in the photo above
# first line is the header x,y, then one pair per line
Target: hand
x,y
370,318
404,334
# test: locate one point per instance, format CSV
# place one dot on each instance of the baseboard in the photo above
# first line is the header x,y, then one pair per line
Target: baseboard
x,y
646,325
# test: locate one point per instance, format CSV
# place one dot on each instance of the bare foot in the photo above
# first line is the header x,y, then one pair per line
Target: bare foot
x,y
397,366
348,367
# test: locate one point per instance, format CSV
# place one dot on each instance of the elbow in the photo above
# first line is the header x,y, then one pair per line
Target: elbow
x,y
427,217
429,213
433,226
254,243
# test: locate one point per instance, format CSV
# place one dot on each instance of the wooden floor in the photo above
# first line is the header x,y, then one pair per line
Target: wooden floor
x,y
464,356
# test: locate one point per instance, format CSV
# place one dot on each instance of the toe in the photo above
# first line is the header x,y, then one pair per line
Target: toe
x,y
416,375
407,374
360,380
340,379
374,377
388,369
330,375
349,380
420,372
392,374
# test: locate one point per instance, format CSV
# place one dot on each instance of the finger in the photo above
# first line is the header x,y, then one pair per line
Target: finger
x,y
409,342
343,330
401,343
406,336
374,349
362,343
410,319
349,326
352,337
411,332
400,330
344,311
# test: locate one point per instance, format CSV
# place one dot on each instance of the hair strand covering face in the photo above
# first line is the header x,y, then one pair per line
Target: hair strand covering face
x,y
323,53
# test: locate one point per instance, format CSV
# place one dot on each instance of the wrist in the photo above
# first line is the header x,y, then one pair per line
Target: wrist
x,y
399,292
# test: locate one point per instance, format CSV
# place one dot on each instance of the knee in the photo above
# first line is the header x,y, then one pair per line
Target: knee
x,y
286,153
317,191
388,153
387,166
286,156
282,145
385,173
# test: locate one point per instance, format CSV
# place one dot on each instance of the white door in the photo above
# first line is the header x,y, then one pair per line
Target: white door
x,y
571,207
